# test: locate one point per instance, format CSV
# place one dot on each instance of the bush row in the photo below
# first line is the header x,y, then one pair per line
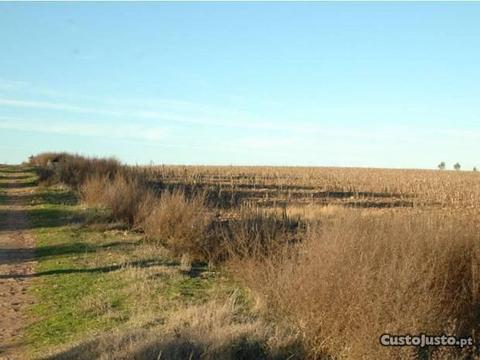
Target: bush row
x,y
73,170
184,222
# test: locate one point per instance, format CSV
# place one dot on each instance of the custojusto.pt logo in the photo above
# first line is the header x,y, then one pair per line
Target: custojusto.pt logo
x,y
423,340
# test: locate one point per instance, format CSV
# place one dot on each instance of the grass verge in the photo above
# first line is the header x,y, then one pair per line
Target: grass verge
x,y
93,277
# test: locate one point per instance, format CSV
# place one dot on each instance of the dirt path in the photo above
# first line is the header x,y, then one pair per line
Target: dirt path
x,y
16,258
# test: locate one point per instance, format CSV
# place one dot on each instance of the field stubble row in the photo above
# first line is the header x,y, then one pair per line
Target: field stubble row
x,y
351,187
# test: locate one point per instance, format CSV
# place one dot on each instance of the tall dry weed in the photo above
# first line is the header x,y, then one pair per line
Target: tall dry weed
x,y
182,224
124,195
255,233
364,276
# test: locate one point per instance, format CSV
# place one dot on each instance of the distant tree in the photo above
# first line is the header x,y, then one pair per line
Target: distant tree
x,y
442,165
457,166
475,168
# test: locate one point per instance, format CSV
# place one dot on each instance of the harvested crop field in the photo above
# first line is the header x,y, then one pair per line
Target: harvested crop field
x,y
149,261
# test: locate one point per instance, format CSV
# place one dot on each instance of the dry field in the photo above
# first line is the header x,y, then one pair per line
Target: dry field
x,y
351,187
331,258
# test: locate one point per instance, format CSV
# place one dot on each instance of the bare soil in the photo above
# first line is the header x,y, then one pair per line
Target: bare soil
x,y
17,259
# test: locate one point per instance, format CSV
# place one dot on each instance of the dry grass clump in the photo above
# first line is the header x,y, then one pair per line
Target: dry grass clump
x,y
209,331
145,207
256,233
181,224
93,190
77,169
363,276
124,195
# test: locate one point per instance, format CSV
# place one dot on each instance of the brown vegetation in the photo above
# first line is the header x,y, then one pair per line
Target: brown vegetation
x,y
343,255
123,195
181,224
208,331
257,234
367,274
352,187
73,170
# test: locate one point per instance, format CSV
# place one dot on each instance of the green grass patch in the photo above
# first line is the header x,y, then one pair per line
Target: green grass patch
x,y
16,177
92,278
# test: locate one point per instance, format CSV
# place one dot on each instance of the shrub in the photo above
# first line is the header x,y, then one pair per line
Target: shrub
x,y
145,207
366,275
73,170
123,195
182,224
92,191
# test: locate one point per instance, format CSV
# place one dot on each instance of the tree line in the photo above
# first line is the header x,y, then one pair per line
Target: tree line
x,y
456,166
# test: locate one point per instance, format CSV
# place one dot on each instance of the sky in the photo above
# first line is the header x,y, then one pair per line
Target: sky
x,y
374,84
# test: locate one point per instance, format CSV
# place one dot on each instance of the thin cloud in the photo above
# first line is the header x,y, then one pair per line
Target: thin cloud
x,y
116,131
223,120
55,106
182,112
196,114
173,115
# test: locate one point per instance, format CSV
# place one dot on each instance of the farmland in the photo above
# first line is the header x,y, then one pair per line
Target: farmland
x,y
351,187
263,262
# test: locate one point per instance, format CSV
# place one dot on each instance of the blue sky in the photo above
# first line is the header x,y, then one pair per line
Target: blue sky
x,y
334,84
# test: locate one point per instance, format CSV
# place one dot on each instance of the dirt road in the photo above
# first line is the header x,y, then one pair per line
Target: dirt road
x,y
17,256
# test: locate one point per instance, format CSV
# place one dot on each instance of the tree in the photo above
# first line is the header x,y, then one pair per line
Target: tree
x,y
442,165
457,166
475,168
